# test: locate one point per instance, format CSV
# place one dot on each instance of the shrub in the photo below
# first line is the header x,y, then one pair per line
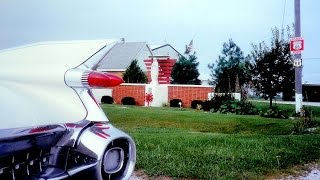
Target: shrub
x,y
195,103
175,102
218,101
275,112
239,107
107,100
165,105
228,106
305,122
246,108
207,105
128,101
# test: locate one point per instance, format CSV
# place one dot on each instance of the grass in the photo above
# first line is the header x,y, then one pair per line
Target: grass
x,y
133,118
263,106
197,145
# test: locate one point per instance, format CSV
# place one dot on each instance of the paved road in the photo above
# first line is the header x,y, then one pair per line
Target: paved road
x,y
291,102
314,174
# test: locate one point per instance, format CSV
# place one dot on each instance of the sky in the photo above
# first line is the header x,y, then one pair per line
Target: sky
x,y
209,23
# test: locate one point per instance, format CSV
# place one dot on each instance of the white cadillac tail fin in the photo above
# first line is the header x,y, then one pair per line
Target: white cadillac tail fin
x,y
33,83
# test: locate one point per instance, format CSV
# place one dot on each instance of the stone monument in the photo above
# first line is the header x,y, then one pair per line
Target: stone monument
x,y
154,72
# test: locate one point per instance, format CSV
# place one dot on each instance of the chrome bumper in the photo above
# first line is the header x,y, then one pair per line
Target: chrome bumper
x,y
85,149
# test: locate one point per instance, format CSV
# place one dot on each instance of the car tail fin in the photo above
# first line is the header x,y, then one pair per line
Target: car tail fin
x,y
36,75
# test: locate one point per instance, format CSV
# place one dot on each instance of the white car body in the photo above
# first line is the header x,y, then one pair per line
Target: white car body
x,y
44,92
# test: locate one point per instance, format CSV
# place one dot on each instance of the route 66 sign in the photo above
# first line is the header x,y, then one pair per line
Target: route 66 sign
x,y
296,45
297,63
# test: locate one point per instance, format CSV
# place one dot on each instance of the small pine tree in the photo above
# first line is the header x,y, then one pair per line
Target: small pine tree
x,y
231,69
134,73
185,71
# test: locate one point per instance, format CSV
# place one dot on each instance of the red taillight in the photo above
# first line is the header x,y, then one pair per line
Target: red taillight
x,y
98,79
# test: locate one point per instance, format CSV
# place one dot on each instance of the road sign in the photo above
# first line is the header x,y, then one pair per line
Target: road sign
x,y
297,63
296,45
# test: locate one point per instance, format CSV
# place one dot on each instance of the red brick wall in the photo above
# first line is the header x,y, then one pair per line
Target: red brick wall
x,y
189,93
184,92
137,91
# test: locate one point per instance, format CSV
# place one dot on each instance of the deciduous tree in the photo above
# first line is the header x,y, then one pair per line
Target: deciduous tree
x,y
272,69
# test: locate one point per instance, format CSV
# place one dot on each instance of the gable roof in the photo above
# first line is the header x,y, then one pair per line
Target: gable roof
x,y
121,55
155,47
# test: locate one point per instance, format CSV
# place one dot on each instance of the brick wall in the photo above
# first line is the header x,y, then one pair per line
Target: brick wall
x,y
188,93
137,91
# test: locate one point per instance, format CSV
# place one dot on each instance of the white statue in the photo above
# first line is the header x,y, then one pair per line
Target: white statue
x,y
154,71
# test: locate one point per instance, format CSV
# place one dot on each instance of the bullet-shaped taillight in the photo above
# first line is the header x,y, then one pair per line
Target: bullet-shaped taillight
x,y
91,79
98,79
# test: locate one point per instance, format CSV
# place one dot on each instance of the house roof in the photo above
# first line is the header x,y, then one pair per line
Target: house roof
x,y
121,55
155,47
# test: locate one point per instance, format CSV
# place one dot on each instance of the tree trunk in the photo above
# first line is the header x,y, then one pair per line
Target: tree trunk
x,y
270,98
237,85
229,88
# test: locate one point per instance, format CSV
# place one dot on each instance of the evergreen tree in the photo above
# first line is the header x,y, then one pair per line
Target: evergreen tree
x,y
185,71
231,70
134,73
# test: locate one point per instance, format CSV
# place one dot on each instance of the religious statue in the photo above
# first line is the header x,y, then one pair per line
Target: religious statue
x,y
154,71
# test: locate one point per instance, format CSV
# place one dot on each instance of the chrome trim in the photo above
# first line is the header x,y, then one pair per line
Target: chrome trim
x,y
73,148
81,168
74,130
21,165
77,78
98,139
58,178
120,161
95,113
93,62
84,79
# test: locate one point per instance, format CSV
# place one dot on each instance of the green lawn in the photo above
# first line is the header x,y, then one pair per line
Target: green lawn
x,y
198,145
288,107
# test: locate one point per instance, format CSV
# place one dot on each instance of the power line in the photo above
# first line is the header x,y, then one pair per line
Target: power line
x,y
283,12
311,58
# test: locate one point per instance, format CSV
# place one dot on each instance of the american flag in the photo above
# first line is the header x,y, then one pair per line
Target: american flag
x,y
189,47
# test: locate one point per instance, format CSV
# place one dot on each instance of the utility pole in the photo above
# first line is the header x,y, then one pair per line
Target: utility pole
x,y
298,69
